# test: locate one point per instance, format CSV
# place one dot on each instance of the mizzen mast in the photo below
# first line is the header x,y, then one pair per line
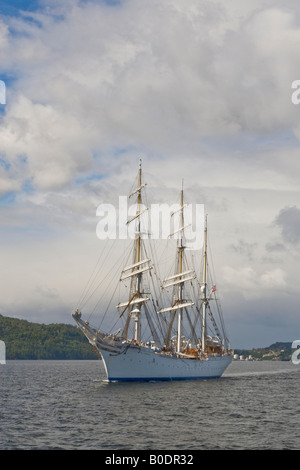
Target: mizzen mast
x,y
204,288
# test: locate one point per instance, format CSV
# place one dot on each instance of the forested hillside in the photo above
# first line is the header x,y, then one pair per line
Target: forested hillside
x,y
275,352
26,340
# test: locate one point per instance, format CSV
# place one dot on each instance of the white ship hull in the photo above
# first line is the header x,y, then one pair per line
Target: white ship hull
x,y
127,361
141,364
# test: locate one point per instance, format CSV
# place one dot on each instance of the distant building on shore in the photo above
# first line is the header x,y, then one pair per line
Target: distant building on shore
x,y
238,357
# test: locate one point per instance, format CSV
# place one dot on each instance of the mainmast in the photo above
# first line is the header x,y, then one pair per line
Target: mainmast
x,y
138,212
180,249
178,280
204,287
136,311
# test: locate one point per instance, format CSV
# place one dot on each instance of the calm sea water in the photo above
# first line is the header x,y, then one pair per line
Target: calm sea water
x,y
68,405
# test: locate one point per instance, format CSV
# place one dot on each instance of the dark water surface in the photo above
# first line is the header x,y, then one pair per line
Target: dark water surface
x,y
68,405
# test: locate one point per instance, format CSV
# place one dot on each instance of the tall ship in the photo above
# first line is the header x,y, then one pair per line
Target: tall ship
x,y
167,328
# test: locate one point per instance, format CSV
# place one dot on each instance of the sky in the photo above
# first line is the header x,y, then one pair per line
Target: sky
x,y
200,91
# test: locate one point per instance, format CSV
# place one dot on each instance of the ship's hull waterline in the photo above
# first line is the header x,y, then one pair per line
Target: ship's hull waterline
x,y
144,364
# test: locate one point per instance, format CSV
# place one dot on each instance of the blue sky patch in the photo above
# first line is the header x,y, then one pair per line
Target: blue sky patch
x,y
8,198
93,177
14,7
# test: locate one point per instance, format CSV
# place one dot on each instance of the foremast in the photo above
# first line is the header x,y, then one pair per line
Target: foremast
x,y
136,270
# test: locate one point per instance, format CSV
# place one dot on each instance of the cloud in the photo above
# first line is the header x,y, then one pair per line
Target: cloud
x,y
275,247
244,248
47,292
92,78
288,220
273,279
43,145
252,283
